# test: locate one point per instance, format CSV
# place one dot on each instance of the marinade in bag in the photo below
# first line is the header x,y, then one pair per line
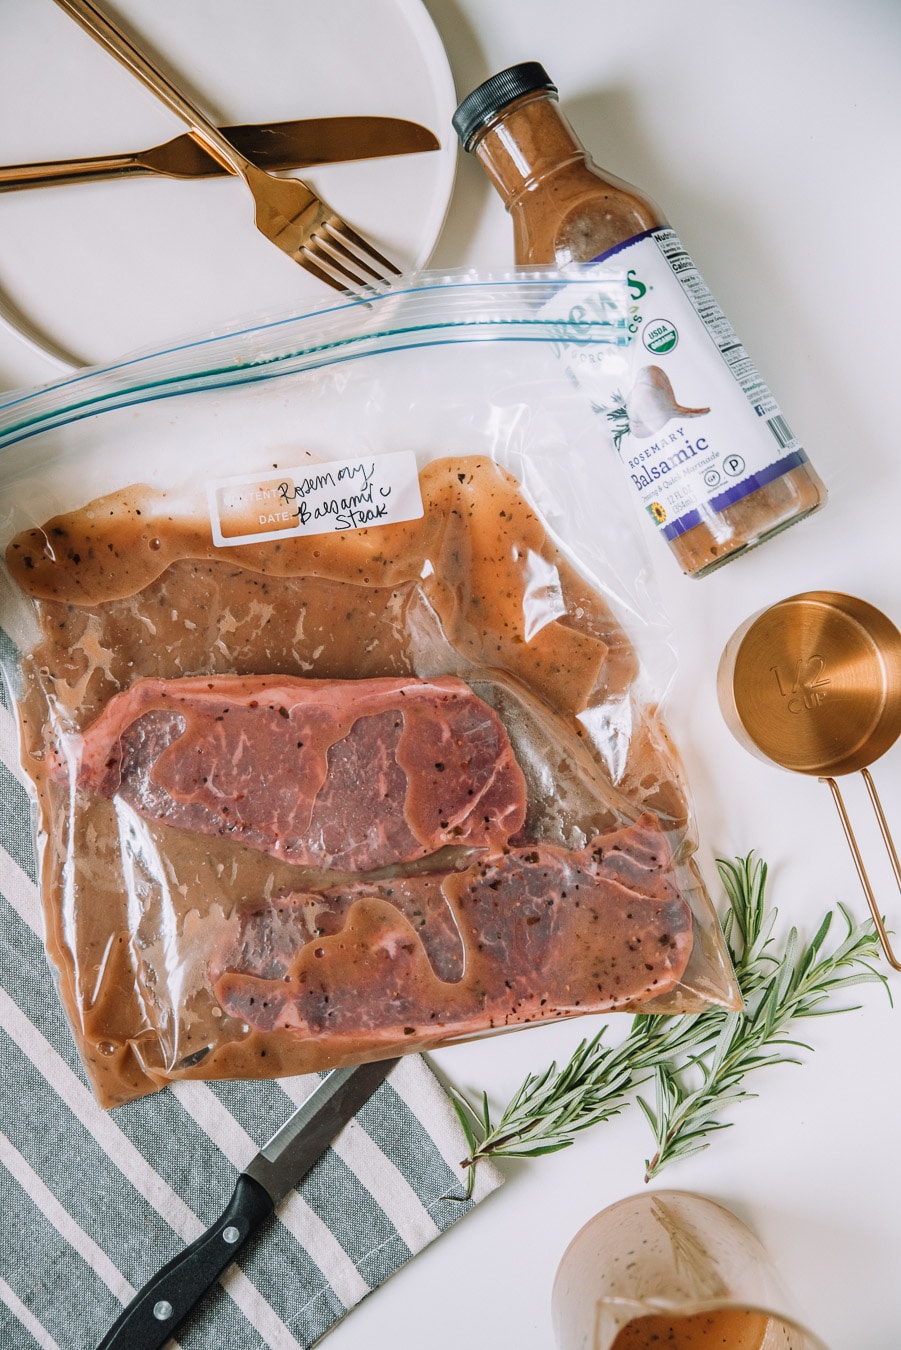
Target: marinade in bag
x,y
341,743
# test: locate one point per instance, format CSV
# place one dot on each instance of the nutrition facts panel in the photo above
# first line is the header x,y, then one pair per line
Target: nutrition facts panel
x,y
723,334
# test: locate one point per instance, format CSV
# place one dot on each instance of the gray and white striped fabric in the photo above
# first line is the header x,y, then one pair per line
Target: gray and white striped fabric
x,y
92,1202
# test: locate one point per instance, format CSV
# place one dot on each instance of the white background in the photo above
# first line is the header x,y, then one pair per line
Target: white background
x,y
770,134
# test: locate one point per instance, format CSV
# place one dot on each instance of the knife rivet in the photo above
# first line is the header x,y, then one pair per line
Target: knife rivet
x,y
230,1234
163,1310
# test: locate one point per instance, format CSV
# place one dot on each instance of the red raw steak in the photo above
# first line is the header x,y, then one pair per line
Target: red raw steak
x,y
535,933
354,775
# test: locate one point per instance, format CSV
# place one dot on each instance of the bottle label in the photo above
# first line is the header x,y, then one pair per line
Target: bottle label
x,y
696,427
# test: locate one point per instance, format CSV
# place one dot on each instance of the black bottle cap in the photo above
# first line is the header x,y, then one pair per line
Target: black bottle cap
x,y
480,106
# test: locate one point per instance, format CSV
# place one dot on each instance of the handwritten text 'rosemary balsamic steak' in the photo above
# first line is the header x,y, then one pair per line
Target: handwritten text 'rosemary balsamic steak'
x,y
532,933
348,774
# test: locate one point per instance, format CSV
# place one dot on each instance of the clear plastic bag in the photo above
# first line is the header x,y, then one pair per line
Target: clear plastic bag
x,y
339,673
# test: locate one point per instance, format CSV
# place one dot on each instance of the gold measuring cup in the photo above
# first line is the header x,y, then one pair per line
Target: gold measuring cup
x,y
813,684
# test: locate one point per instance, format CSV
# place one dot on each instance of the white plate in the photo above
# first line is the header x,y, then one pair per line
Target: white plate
x,y
100,269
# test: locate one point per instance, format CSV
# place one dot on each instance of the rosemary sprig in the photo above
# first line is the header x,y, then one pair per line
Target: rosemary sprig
x,y
549,1108
617,414
697,1061
778,991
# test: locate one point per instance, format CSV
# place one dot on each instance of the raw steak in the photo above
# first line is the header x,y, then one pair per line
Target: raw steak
x,y
538,932
355,775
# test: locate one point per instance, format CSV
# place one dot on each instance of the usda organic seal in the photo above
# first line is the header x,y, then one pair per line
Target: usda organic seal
x,y
659,336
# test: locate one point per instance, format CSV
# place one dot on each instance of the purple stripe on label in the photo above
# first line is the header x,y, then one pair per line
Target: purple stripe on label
x,y
673,529
626,243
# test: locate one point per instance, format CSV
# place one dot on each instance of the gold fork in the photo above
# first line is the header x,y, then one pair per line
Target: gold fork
x,y
287,211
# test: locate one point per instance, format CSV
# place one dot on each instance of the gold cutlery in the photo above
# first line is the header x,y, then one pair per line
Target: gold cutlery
x,y
288,212
275,145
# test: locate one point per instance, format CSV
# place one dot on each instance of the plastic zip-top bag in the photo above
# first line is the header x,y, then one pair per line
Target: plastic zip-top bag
x,y
339,676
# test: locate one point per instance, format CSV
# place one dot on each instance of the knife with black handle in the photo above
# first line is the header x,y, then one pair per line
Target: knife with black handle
x,y
155,1313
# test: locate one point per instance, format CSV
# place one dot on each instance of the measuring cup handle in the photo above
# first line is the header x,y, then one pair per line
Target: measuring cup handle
x,y
858,860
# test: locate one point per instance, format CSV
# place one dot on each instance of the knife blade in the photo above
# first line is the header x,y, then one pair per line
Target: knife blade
x,y
161,1306
275,145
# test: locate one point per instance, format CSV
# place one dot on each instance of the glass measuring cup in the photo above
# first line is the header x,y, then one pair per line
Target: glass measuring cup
x,y
813,684
669,1270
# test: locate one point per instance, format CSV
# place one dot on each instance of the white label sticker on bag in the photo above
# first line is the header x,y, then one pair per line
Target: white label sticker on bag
x,y
320,498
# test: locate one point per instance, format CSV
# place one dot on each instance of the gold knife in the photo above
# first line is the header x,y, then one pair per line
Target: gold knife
x,y
277,145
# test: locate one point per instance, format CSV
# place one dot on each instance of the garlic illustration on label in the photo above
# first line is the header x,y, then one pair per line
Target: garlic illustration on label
x,y
651,403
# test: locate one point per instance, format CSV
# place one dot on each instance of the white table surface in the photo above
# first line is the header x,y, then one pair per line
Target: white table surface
x,y
770,133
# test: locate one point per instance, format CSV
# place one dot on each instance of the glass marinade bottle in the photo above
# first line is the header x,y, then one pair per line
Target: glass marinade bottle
x,y
700,435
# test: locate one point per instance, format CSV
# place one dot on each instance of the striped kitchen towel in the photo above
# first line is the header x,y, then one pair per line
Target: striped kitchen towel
x,y
92,1203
